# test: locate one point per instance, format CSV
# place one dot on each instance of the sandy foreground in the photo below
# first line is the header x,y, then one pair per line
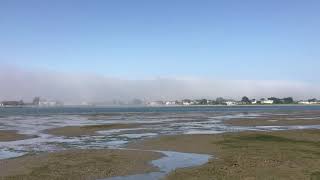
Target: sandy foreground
x,y
247,155
8,135
78,164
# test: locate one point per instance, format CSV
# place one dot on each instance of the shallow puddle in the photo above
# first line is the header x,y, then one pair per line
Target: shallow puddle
x,y
171,161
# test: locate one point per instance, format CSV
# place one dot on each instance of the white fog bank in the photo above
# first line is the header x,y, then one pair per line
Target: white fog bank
x,y
17,83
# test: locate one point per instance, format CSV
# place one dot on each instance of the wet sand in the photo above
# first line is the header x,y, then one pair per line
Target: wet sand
x,y
78,164
272,122
72,131
303,118
8,135
246,155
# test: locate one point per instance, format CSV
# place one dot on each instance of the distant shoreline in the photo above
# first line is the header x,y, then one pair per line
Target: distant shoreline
x,y
159,106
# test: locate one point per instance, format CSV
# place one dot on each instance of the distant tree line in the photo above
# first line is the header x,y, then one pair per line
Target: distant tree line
x,y
287,100
244,100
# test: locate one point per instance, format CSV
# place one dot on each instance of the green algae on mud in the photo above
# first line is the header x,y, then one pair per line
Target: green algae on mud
x,y
247,155
272,122
78,164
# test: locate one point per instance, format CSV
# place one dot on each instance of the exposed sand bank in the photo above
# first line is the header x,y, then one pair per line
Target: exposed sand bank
x,y
72,131
120,115
78,164
285,119
272,122
10,135
247,155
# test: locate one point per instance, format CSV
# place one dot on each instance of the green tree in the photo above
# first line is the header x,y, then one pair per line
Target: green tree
x,y
245,100
220,100
203,102
288,100
275,100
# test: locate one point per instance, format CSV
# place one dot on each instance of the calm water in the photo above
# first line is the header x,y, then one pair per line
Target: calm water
x,y
99,110
155,121
171,161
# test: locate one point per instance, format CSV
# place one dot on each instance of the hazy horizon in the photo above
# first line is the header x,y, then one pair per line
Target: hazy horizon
x,y
72,87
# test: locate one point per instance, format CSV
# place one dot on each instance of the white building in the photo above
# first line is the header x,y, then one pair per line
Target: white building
x,y
231,103
168,103
267,102
186,103
45,103
308,102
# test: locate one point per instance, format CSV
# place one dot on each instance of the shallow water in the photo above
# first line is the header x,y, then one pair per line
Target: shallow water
x,y
155,122
171,161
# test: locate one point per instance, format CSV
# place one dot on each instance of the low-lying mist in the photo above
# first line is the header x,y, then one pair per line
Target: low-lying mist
x,y
18,83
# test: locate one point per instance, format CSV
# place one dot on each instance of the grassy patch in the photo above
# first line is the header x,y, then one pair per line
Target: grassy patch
x,y
77,164
257,155
261,140
265,138
315,176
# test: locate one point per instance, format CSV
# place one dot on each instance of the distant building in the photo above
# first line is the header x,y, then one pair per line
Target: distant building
x,y
156,103
308,102
231,103
168,103
304,102
254,101
210,102
267,101
12,103
186,102
46,103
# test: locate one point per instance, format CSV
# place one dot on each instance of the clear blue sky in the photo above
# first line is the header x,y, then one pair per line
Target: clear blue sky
x,y
229,39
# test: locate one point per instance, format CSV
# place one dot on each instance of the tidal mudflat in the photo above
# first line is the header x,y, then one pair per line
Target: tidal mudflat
x,y
12,135
291,154
305,118
73,131
78,164
242,142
